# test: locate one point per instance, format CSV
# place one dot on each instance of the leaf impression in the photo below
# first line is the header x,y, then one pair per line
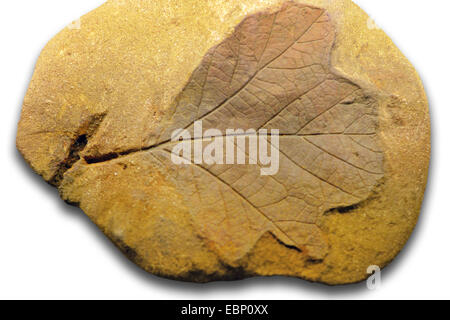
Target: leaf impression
x,y
274,73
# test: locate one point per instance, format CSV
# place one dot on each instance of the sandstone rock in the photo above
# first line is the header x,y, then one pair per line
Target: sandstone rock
x,y
350,110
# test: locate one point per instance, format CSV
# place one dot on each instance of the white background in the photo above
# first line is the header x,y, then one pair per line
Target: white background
x,y
49,250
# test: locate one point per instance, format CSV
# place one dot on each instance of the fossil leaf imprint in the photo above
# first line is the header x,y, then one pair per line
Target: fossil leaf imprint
x,y
274,72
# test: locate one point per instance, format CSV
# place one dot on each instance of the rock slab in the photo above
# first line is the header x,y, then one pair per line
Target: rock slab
x,y
110,90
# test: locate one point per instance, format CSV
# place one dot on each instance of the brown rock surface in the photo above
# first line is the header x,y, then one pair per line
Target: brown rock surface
x,y
351,112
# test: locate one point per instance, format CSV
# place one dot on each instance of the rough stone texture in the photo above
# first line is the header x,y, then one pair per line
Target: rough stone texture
x,y
351,110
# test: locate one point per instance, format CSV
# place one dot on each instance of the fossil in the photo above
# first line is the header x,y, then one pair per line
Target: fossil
x,y
102,129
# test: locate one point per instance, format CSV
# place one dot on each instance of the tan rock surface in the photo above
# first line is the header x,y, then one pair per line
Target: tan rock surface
x,y
351,110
